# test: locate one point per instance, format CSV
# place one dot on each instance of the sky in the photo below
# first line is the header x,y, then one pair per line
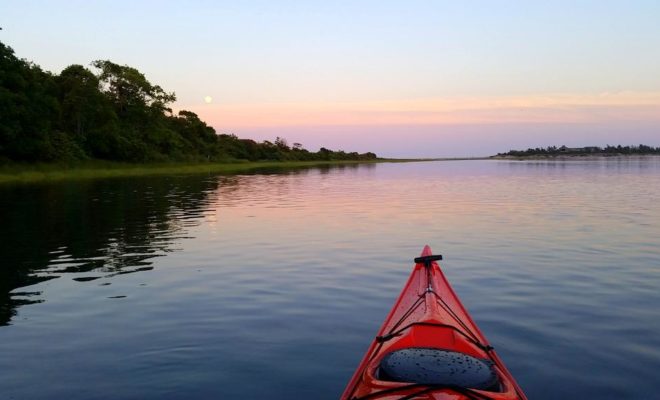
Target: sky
x,y
399,78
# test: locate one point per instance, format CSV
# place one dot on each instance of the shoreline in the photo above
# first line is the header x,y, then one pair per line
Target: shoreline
x,y
44,172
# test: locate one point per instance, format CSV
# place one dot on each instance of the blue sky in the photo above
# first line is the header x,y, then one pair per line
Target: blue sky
x,y
457,78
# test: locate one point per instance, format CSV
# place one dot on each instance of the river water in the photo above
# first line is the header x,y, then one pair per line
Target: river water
x,y
272,285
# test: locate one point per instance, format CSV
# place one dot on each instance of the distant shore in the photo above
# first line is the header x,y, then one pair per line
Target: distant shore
x,y
565,157
572,153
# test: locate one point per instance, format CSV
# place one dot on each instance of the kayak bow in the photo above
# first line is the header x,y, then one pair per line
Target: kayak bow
x,y
429,348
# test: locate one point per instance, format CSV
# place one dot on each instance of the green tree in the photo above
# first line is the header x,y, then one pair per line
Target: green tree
x,y
198,139
129,88
140,107
115,114
86,111
28,109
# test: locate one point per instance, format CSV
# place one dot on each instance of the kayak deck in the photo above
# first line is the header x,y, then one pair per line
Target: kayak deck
x,y
430,348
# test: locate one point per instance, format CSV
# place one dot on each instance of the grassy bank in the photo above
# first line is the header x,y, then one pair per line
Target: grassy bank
x,y
18,173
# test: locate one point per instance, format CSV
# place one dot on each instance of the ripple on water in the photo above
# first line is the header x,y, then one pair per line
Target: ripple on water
x,y
190,286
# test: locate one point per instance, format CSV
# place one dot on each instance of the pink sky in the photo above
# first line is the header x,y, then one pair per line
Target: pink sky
x,y
440,127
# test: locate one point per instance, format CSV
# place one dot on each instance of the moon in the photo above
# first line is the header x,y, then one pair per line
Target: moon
x,y
208,99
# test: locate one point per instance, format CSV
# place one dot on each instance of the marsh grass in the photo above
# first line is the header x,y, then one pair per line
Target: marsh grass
x,y
24,173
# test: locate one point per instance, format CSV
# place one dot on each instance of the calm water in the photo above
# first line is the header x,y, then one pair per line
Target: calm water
x,y
272,285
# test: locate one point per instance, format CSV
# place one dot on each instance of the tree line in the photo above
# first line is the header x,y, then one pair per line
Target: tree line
x,y
563,150
114,113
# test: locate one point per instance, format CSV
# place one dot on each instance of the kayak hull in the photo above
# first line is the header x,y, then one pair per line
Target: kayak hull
x,y
428,315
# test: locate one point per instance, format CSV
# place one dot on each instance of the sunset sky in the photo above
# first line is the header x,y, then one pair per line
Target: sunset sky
x,y
402,79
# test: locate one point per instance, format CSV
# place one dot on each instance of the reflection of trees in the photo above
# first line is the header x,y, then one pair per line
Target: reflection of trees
x,y
322,168
114,226
248,188
109,227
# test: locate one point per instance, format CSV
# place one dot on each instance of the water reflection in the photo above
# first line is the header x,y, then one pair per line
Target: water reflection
x,y
629,165
286,276
91,229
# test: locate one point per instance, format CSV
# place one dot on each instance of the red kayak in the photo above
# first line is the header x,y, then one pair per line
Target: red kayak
x,y
430,349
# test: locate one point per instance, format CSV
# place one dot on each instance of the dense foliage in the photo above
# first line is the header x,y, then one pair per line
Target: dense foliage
x,y
592,150
114,114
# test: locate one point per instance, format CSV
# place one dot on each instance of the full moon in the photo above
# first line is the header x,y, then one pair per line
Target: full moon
x,y
208,99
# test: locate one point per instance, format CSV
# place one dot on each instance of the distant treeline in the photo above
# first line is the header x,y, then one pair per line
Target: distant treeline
x,y
115,113
591,150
